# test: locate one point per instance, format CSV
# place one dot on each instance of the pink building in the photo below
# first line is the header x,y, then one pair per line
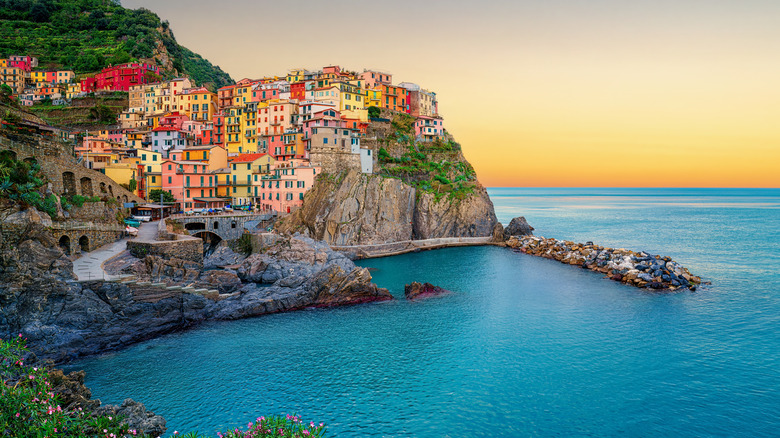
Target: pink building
x,y
191,184
25,62
283,190
373,78
276,117
428,128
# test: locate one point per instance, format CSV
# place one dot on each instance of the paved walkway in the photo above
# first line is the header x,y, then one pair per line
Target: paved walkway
x,y
90,265
396,248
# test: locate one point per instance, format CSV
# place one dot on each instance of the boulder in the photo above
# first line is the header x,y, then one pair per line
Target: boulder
x,y
518,227
136,417
416,291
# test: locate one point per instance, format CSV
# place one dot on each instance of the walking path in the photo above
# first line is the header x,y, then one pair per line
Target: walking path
x,y
90,265
395,248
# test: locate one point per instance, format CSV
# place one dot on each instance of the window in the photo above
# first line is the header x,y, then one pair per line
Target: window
x,y
169,180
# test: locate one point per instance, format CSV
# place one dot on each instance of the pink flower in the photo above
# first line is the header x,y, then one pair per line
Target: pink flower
x,y
305,432
17,415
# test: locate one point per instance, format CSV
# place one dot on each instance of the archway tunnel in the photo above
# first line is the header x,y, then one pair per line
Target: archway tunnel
x,y
210,241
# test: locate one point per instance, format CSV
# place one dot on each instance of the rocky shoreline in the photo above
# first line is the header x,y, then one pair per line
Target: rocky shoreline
x,y
638,269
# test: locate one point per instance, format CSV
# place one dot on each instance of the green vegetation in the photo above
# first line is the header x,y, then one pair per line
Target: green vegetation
x,y
432,167
154,196
374,112
78,201
21,181
29,408
88,35
90,112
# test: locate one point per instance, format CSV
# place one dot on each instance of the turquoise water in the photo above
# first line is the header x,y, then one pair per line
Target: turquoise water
x,y
524,346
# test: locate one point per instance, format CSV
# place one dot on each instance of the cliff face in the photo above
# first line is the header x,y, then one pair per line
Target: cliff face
x,y
472,216
419,190
355,209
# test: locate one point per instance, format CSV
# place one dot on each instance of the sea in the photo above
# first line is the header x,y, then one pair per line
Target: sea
x,y
523,346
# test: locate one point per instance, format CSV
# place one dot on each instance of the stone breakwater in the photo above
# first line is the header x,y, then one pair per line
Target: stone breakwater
x,y
638,269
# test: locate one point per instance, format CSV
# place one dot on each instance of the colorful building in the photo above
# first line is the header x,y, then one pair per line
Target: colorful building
x,y
284,188
121,77
242,171
191,184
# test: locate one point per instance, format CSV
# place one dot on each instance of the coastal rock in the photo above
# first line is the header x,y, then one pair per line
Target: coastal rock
x,y
473,216
74,396
358,209
416,291
634,268
222,256
518,227
136,417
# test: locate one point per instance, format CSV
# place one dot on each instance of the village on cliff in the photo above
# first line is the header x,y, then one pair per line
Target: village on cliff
x,y
257,144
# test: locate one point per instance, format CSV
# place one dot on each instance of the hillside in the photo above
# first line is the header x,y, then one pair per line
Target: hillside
x,y
420,190
88,35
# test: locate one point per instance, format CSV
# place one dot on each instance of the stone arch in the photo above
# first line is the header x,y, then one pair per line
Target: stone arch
x,y
210,241
64,244
124,199
86,186
216,225
103,190
233,224
110,191
84,243
69,183
195,226
31,160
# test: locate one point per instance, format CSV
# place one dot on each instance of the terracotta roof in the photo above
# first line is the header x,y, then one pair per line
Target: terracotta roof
x,y
247,158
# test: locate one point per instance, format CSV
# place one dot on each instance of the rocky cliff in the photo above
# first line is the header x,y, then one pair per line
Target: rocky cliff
x,y
419,190
64,319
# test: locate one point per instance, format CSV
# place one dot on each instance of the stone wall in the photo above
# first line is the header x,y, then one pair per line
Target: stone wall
x,y
74,236
184,247
333,161
64,174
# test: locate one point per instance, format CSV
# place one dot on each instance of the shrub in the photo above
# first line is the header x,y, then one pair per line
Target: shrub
x,y
29,407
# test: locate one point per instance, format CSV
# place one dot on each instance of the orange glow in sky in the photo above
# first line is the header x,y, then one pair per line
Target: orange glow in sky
x,y
542,93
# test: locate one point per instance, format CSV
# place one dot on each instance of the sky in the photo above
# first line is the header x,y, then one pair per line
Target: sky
x,y
552,93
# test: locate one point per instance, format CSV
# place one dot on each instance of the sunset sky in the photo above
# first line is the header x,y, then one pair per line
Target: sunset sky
x,y
662,93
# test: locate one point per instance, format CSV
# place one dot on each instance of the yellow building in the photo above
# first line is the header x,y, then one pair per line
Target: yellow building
x,y
73,90
152,162
123,173
236,140
134,139
3,63
373,97
244,173
202,104
223,182
38,76
14,78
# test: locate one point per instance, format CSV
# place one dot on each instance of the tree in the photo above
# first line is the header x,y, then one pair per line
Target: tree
x,y
133,185
374,112
154,196
102,113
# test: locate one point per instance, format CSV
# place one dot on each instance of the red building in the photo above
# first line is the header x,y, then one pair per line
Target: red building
x,y
121,77
298,91
26,63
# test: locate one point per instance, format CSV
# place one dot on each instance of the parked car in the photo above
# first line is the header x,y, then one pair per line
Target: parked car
x,y
133,223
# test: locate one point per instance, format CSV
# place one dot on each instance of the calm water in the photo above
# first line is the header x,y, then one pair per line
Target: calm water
x,y
525,346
